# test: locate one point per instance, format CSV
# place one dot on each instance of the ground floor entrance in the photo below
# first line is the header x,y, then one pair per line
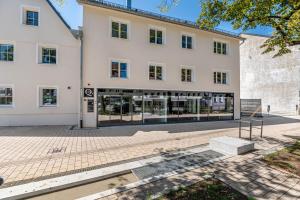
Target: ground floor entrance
x,y
125,107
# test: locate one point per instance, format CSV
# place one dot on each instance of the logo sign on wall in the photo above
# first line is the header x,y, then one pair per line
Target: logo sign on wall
x,y
89,92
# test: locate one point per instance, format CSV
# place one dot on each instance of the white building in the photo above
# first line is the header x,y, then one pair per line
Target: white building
x,y
146,68
138,68
39,65
276,81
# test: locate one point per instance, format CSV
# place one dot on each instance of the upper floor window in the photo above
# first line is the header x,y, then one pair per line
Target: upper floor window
x,y
119,30
155,72
221,78
6,52
32,18
187,42
119,70
186,75
48,97
6,96
156,36
48,55
220,48
30,15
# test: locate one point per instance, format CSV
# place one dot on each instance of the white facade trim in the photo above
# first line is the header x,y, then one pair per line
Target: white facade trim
x,y
23,9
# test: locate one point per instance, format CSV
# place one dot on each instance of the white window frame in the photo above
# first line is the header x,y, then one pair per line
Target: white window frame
x,y
40,96
157,28
227,77
119,61
13,95
39,52
222,42
192,68
193,36
23,13
123,21
163,65
14,53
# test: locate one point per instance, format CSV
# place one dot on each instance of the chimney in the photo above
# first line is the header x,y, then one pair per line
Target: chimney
x,y
129,4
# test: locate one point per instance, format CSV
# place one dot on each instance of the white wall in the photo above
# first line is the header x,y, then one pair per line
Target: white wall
x,y
25,74
274,80
99,48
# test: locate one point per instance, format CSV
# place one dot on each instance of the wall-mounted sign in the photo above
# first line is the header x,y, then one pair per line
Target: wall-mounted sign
x,y
90,105
89,92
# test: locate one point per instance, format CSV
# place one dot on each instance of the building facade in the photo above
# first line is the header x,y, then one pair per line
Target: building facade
x,y
39,65
141,68
276,81
130,67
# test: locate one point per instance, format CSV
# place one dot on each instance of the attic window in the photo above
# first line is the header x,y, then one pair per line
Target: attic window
x,y
30,16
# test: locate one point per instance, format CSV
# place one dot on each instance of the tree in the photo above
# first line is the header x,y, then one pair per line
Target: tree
x,y
282,15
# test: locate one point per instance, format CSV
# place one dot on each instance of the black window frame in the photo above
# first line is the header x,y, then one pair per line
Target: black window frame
x,y
32,20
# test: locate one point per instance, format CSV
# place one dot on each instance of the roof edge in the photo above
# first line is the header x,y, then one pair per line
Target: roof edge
x,y
155,16
75,33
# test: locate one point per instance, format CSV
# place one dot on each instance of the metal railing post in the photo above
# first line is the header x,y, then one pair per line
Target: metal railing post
x,y
240,129
250,130
261,129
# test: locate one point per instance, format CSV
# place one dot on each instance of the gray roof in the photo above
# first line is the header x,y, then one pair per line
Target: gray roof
x,y
152,15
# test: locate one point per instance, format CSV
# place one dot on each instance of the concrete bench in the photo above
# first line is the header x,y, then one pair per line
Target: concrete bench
x,y
230,145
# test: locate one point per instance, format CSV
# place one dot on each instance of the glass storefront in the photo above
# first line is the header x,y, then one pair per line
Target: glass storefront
x,y
120,107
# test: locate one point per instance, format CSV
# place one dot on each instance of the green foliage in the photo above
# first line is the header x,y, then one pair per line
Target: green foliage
x,y
282,15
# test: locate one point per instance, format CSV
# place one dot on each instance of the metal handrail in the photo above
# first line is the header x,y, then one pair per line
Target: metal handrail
x,y
251,127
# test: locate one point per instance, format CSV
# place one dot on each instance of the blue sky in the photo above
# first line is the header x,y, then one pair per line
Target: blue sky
x,y
187,9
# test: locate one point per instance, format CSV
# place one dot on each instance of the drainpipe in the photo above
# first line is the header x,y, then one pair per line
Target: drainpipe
x,y
81,79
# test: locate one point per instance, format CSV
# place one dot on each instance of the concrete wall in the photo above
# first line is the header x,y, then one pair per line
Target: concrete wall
x,y
100,48
274,80
25,74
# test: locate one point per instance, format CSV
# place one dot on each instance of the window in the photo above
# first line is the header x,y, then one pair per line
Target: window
x,y
155,72
119,30
48,55
187,42
156,36
6,96
32,18
6,52
221,78
119,70
220,48
48,97
186,75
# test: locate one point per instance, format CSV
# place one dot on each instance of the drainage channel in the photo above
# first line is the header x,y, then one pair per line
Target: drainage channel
x,y
85,190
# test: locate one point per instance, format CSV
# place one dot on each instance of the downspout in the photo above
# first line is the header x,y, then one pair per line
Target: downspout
x,y
81,79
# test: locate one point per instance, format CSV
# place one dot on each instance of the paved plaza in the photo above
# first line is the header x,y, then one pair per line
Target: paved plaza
x,y
34,153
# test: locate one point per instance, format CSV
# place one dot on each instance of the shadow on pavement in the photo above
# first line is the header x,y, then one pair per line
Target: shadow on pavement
x,y
126,131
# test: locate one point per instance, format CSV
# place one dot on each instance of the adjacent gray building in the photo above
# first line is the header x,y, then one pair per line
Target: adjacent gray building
x,y
276,81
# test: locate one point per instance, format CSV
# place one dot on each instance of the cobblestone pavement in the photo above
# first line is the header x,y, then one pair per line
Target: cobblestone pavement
x,y
245,173
34,153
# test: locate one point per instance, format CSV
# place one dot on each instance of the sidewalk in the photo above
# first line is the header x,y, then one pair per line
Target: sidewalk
x,y
245,173
37,153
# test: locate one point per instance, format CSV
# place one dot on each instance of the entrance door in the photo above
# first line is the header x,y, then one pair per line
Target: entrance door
x,y
109,110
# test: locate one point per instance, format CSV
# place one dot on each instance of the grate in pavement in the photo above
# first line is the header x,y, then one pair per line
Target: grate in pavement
x,y
57,150
176,164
